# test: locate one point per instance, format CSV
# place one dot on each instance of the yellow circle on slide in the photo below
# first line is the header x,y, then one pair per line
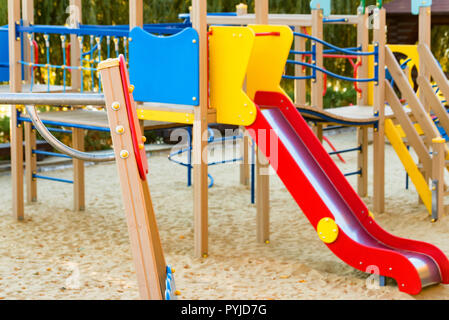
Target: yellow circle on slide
x,y
327,230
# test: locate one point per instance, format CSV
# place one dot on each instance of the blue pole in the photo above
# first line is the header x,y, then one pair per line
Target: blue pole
x,y
189,157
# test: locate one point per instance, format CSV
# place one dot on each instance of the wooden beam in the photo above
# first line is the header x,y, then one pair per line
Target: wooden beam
x,y
362,161
413,138
79,202
379,109
244,152
30,162
15,85
262,10
75,58
135,13
200,131
436,72
424,36
262,164
143,232
434,102
317,84
27,19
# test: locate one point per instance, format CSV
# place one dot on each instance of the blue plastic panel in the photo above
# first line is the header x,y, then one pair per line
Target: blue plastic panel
x,y
416,4
165,69
324,4
4,54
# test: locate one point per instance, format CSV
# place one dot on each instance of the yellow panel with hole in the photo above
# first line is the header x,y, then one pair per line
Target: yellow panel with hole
x,y
229,54
268,59
409,51
327,230
165,116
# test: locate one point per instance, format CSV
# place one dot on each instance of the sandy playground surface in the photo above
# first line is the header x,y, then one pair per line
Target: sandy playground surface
x,y
60,254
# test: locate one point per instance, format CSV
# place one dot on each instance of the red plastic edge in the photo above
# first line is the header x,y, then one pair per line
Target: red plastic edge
x,y
136,133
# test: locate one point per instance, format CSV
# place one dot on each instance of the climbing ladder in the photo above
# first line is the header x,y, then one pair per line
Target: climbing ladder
x,y
413,126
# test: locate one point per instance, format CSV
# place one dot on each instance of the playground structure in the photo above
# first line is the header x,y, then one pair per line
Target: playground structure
x,y
341,219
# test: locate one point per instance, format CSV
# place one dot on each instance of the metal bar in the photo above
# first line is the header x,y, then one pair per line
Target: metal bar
x,y
52,154
327,44
61,147
66,124
54,99
334,75
353,173
345,151
52,179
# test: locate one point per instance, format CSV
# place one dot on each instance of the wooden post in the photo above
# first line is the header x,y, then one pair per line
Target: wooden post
x,y
438,161
143,232
317,84
30,134
362,100
75,58
79,202
379,109
300,85
244,151
15,85
200,129
135,13
425,26
262,164
27,19
136,20
30,162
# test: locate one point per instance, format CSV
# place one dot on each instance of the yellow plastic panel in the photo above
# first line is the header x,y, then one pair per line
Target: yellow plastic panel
x,y
327,230
230,51
268,59
165,116
394,135
410,51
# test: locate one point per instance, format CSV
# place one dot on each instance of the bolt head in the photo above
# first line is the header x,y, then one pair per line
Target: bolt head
x,y
124,154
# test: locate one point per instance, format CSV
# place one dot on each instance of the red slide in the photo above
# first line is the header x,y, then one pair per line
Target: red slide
x,y
324,194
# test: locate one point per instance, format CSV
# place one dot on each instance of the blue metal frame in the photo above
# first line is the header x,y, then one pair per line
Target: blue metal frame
x,y
52,154
65,124
36,176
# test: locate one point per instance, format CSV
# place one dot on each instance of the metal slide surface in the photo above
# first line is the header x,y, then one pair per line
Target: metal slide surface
x,y
322,191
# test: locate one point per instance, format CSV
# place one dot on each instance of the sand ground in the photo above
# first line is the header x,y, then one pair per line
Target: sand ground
x,y
60,254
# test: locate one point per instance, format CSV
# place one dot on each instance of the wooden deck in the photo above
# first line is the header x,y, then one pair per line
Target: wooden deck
x,y
94,119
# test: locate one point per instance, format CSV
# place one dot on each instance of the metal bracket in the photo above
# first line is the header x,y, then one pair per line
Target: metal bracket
x,y
435,200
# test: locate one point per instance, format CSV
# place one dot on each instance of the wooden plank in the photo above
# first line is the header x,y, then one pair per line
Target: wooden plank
x,y
418,110
79,202
244,151
418,179
15,78
75,58
317,84
30,163
200,129
432,64
424,37
413,137
262,10
434,102
135,13
379,109
362,73
262,164
262,198
27,19
139,211
362,161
